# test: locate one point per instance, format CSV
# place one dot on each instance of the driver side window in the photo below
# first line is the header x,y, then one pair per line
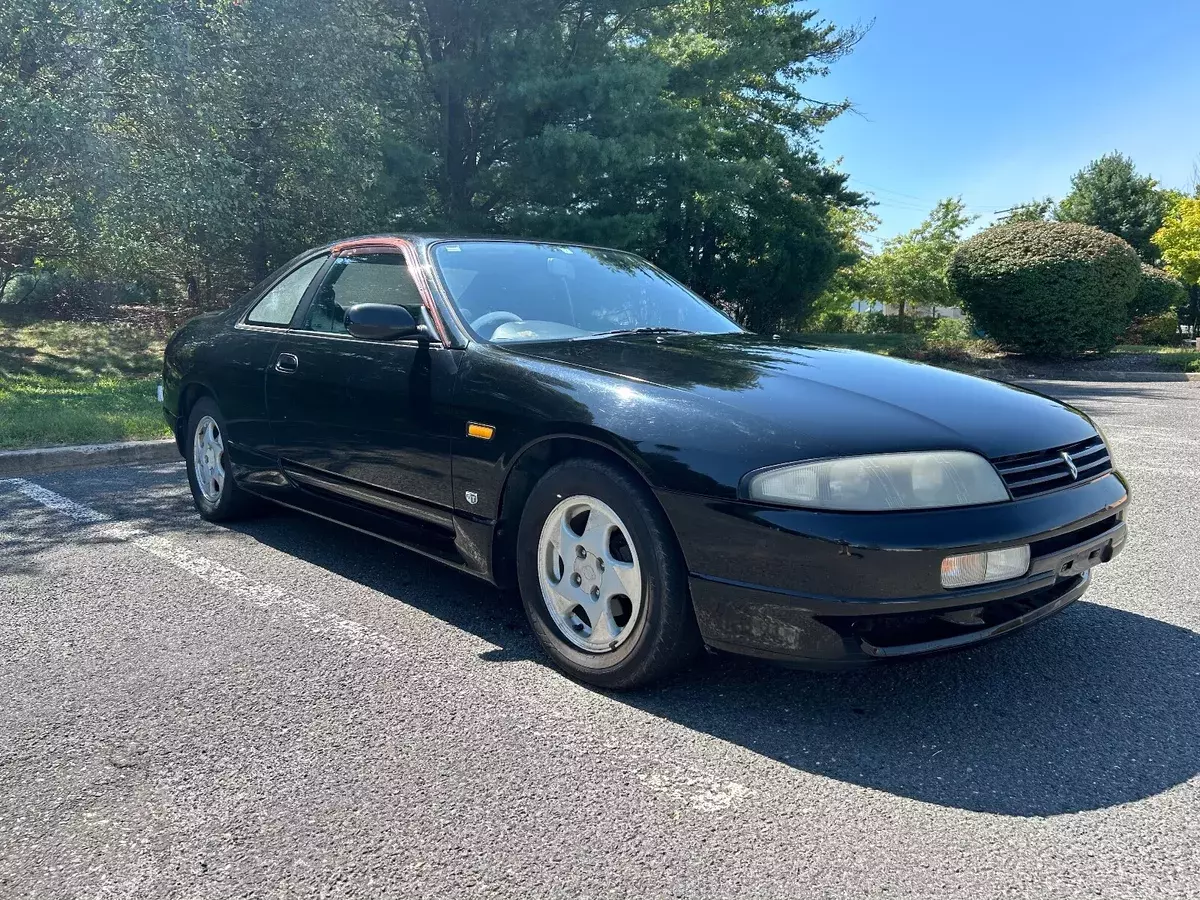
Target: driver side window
x,y
368,278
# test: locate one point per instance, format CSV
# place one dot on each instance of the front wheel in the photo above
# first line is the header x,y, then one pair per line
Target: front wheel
x,y
602,579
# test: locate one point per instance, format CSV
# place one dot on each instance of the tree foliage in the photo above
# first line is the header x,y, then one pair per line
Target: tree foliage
x,y
203,143
47,72
1110,195
851,225
910,270
1047,288
1032,211
1179,240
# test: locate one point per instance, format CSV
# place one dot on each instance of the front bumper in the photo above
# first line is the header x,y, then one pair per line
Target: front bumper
x,y
834,589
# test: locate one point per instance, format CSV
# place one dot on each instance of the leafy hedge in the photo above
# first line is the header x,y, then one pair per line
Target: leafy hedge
x,y
1047,288
1160,331
849,322
1157,293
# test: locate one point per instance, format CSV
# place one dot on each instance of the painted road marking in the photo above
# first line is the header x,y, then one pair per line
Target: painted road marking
x,y
262,594
56,502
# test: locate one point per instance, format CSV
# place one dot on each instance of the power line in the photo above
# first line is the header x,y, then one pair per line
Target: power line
x,y
925,204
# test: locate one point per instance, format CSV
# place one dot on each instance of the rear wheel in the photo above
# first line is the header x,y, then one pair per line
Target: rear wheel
x,y
601,577
214,491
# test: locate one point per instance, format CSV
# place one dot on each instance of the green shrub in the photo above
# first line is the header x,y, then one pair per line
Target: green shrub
x,y
876,322
1047,288
950,330
1157,293
39,287
828,322
869,323
1158,331
943,350
45,288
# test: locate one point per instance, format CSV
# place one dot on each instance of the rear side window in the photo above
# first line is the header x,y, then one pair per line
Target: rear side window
x,y
369,278
279,304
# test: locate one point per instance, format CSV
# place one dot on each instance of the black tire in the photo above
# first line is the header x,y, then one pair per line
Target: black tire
x,y
665,635
233,502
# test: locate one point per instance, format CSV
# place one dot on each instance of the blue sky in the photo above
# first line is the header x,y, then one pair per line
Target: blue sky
x,y
1001,102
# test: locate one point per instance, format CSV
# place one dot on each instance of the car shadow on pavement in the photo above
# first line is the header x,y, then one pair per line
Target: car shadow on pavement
x,y
1093,708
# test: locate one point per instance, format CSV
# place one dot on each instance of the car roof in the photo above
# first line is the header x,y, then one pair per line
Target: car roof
x,y
424,238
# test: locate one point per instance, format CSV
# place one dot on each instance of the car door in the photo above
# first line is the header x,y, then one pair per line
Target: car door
x,y
237,365
363,418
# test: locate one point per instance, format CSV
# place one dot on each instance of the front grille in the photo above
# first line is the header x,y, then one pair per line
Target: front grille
x,y
1030,474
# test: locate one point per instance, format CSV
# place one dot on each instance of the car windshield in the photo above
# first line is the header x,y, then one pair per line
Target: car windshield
x,y
511,291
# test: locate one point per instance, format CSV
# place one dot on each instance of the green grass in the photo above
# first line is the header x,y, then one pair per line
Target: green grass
x,y
1175,359
73,383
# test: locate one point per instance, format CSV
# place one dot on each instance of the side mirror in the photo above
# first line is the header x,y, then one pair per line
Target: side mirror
x,y
380,322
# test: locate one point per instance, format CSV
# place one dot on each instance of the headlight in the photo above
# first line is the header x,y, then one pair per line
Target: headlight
x,y
884,482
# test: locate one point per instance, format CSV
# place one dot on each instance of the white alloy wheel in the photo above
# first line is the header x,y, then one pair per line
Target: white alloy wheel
x,y
208,462
589,574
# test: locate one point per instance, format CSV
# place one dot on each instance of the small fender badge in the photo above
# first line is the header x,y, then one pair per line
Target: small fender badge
x,y
472,497
476,430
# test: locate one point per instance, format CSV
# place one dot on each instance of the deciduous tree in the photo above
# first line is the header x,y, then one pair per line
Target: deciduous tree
x,y
1033,211
1179,240
910,270
851,225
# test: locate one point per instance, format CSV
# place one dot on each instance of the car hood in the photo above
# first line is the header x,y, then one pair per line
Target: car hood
x,y
826,402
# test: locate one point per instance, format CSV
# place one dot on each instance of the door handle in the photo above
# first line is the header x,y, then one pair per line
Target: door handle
x,y
287,363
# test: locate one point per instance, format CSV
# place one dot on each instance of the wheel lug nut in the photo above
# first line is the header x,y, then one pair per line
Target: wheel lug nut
x,y
576,580
595,593
580,552
600,564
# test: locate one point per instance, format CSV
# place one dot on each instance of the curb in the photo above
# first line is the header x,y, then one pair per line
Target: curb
x,y
1088,375
57,459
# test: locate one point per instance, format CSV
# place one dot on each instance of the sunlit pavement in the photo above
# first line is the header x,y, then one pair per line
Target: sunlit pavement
x,y
286,708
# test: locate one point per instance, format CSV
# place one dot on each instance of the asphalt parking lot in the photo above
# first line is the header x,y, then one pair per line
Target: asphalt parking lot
x,y
287,709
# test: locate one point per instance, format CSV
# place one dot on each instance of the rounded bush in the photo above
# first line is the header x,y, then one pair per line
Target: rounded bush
x,y
1157,293
1047,288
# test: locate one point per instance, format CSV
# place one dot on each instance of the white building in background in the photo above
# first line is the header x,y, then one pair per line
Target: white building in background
x,y
890,309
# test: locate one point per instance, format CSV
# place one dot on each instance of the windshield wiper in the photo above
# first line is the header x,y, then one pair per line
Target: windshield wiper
x,y
645,329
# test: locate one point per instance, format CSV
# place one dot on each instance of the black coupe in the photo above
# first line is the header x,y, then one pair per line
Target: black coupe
x,y
652,478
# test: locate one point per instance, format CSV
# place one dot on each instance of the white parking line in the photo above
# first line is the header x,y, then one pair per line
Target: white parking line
x,y
260,593
56,502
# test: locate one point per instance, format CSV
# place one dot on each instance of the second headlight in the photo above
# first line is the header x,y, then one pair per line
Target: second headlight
x,y
882,482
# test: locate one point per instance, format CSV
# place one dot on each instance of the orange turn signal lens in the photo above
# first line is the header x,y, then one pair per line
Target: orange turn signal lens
x,y
474,429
